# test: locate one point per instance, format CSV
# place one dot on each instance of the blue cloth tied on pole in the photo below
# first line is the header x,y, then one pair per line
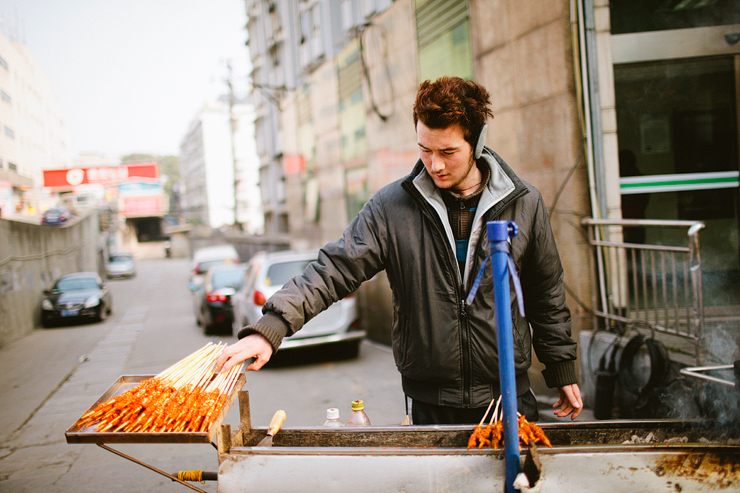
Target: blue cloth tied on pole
x,y
499,247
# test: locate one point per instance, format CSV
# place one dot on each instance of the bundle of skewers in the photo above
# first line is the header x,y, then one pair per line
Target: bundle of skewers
x,y
186,397
492,435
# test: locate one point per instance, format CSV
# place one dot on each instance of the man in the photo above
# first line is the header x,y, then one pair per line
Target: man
x,y
428,232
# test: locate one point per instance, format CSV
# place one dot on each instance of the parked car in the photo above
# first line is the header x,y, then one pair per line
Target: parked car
x,y
76,296
56,215
120,264
212,300
206,257
266,273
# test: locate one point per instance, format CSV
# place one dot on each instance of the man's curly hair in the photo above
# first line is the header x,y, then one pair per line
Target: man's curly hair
x,y
452,100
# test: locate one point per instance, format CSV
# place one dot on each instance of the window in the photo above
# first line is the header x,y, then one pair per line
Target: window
x,y
9,132
346,15
12,166
305,26
351,106
636,16
3,63
5,96
443,37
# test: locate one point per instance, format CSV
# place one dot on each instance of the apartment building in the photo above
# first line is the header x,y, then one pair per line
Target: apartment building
x,y
218,162
33,131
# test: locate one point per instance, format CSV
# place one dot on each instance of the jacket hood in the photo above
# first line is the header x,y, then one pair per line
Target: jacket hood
x,y
504,186
503,180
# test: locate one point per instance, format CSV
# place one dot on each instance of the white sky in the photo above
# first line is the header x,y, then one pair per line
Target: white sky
x,y
132,75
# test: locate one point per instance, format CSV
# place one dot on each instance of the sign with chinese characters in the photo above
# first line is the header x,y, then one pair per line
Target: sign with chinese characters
x,y
140,199
104,175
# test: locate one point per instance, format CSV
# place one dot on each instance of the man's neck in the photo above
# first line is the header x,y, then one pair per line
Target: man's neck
x,y
471,184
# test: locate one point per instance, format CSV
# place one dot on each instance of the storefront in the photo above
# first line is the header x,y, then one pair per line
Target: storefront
x,y
676,69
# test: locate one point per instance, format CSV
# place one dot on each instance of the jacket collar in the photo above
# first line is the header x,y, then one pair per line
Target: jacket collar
x,y
503,182
503,187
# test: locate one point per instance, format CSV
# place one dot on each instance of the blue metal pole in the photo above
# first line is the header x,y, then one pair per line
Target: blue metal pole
x,y
498,235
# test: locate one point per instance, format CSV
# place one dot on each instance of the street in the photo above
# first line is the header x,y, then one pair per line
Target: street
x,y
52,376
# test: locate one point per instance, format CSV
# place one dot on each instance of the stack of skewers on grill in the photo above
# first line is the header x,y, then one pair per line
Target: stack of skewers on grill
x,y
492,435
186,397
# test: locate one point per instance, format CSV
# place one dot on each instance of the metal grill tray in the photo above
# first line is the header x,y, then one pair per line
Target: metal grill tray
x,y
87,434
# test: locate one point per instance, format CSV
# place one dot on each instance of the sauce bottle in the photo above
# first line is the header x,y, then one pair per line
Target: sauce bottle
x,y
358,416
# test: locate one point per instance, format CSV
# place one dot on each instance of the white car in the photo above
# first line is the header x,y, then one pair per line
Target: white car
x,y
120,264
266,273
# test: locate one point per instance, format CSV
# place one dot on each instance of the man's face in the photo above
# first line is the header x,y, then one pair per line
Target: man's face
x,y
448,158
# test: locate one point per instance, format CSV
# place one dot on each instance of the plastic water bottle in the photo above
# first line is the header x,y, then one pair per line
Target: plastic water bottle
x,y
332,418
358,416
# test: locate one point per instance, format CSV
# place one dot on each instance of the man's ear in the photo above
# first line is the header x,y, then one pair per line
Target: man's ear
x,y
481,141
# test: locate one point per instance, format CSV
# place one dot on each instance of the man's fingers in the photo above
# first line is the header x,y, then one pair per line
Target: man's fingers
x,y
570,401
578,404
257,363
254,347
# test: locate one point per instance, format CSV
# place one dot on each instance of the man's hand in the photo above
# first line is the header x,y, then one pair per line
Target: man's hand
x,y
570,401
253,346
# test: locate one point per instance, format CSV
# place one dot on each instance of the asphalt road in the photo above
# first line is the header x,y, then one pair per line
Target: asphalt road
x,y
50,378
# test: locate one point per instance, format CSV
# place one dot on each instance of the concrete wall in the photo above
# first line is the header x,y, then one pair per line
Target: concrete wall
x,y
32,256
246,245
523,54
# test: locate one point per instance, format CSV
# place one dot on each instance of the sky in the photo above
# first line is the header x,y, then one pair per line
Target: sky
x,y
131,75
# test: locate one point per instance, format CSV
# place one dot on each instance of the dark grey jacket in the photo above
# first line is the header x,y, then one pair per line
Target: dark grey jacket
x,y
446,352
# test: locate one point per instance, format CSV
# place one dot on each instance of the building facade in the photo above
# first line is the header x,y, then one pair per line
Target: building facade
x,y
33,131
218,162
611,109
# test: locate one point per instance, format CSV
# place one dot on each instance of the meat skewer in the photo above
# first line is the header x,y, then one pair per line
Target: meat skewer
x,y
187,396
492,435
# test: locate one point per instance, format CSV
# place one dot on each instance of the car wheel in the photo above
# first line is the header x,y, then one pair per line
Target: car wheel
x,y
45,321
206,323
102,313
349,349
207,329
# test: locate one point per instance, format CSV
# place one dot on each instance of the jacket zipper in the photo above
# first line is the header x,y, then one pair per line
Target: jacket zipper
x,y
460,286
462,309
465,353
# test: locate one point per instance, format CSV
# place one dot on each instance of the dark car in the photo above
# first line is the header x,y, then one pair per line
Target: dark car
x,y
57,215
212,299
76,296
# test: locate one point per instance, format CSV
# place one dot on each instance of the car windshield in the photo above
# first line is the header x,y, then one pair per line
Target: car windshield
x,y
120,258
76,284
279,274
225,278
204,266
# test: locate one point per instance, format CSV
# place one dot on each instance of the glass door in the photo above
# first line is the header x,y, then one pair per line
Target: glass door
x,y
677,124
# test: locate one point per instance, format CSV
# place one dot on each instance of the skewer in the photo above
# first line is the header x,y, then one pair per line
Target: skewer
x,y
495,418
187,396
487,411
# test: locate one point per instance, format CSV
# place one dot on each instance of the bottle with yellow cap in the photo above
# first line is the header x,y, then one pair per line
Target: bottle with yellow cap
x,y
358,416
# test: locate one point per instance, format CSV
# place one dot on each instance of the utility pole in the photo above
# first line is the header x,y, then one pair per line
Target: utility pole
x,y
232,122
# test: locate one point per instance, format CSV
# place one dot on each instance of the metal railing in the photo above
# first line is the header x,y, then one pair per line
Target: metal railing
x,y
658,286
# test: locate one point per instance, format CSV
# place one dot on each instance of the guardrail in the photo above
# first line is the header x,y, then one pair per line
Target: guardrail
x,y
658,286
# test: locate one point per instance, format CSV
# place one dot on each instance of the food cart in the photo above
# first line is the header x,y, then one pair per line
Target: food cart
x,y
604,456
